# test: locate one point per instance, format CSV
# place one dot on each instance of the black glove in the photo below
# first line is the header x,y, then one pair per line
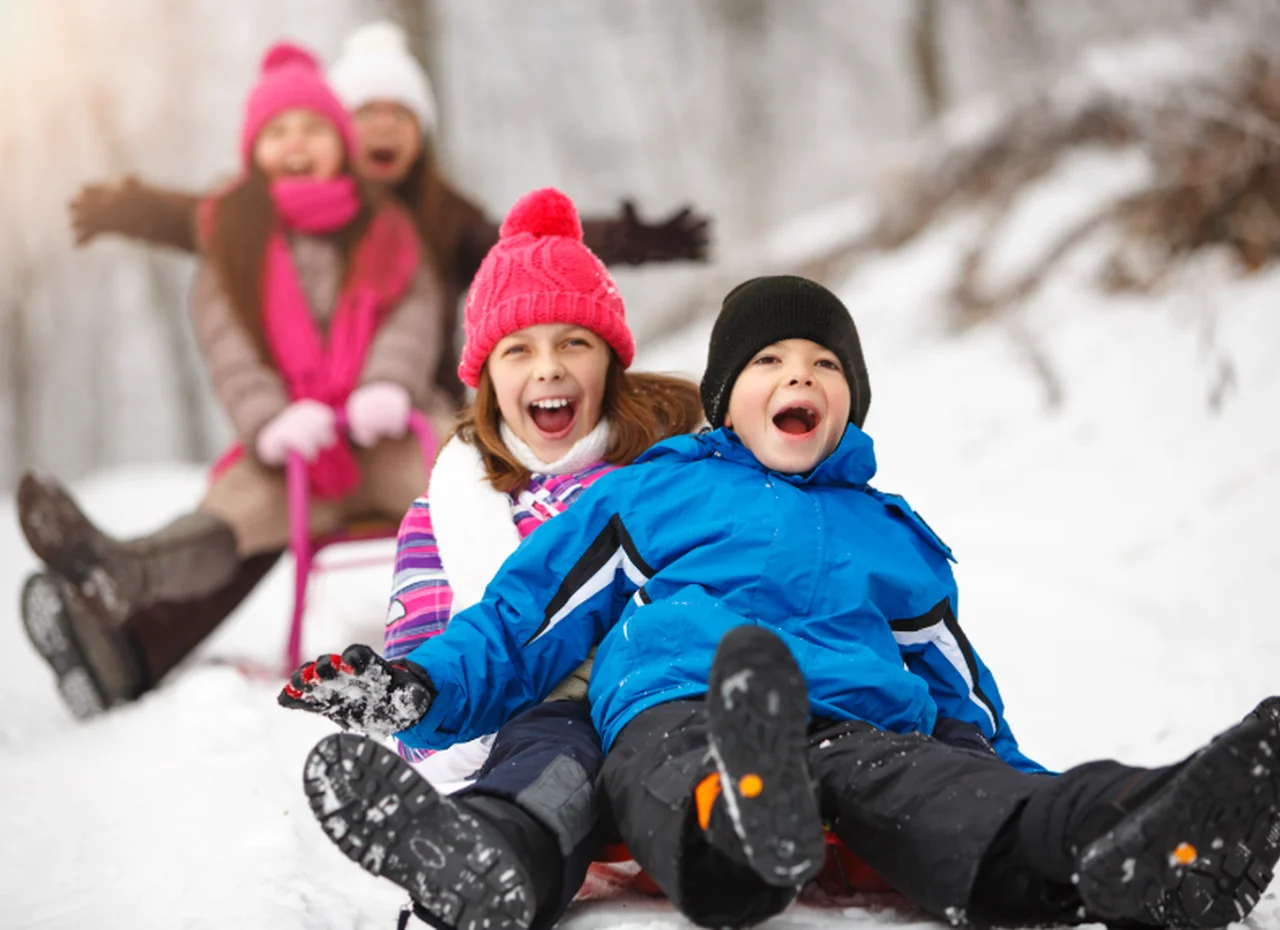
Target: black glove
x,y
136,210
361,691
682,236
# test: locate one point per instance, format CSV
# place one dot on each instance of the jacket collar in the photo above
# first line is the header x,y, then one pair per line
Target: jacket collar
x,y
852,462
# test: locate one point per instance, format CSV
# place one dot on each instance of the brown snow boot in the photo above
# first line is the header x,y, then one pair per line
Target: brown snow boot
x,y
100,664
96,664
168,631
193,556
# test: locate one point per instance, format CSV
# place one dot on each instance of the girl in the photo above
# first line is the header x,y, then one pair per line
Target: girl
x,y
390,97
546,350
778,646
313,297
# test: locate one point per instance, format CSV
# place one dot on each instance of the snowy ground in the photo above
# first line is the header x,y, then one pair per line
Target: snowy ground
x,y
1118,558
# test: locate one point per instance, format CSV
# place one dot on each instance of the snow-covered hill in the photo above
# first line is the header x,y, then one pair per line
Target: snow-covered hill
x,y
1118,563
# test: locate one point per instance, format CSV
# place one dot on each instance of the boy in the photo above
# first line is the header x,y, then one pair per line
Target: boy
x,y
778,647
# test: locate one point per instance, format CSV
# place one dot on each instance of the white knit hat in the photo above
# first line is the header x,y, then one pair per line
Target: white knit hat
x,y
376,65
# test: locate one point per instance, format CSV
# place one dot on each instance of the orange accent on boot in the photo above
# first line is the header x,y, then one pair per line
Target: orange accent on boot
x,y
1185,854
750,786
704,796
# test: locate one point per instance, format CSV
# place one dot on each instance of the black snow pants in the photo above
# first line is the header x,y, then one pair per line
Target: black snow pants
x,y
941,824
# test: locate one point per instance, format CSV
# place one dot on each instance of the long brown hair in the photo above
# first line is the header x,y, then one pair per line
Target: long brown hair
x,y
439,211
243,221
642,408
447,224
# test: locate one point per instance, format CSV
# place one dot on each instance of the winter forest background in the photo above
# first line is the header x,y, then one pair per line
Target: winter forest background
x,y
764,114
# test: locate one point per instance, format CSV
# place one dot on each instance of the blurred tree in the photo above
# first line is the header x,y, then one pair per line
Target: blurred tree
x,y
764,114
925,56
746,137
413,16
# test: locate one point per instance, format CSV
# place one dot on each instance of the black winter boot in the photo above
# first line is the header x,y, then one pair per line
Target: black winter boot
x,y
462,871
193,556
1268,709
1192,845
757,721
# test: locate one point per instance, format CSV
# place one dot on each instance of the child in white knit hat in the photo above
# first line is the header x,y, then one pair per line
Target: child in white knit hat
x,y
389,94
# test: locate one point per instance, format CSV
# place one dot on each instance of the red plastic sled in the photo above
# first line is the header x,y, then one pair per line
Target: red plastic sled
x,y
842,874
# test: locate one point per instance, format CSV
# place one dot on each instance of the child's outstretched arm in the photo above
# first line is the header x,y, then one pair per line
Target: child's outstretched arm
x,y
136,210
629,240
625,239
553,600
935,648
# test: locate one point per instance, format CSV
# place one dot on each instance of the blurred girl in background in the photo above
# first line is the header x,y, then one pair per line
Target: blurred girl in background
x,y
390,99
313,296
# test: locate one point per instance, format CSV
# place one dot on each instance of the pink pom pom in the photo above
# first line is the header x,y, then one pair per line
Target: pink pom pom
x,y
545,212
283,54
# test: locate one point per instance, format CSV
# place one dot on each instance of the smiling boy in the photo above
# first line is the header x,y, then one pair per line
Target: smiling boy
x,y
779,648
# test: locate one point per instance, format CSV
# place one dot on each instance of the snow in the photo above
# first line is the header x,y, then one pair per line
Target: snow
x,y
1083,182
1117,551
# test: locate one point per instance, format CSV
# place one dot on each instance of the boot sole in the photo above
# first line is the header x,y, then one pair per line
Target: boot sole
x,y
39,511
48,626
1210,809
390,821
758,717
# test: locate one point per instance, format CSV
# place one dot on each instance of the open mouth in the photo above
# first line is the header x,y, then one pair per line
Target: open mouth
x,y
383,156
554,416
797,419
297,168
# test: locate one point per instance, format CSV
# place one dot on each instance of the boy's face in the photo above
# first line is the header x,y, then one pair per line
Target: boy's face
x,y
790,405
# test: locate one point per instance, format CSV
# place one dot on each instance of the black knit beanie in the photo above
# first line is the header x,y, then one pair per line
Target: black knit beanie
x,y
766,310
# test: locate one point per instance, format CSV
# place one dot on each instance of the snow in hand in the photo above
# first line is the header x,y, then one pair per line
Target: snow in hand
x,y
367,702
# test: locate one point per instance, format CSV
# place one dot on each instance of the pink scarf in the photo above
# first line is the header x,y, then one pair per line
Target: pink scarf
x,y
382,269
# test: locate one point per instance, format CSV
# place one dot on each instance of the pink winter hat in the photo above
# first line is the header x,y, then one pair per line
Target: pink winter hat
x,y
540,272
290,78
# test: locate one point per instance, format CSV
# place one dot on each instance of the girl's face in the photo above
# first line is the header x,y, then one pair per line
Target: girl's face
x,y
549,380
388,139
790,405
299,143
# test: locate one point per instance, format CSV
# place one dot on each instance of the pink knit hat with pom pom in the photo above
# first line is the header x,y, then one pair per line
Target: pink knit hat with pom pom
x,y
540,272
290,78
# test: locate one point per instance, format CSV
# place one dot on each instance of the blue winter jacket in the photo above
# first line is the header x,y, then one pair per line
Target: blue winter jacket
x,y
658,560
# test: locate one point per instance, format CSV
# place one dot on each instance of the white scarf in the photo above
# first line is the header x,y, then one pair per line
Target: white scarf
x,y
586,451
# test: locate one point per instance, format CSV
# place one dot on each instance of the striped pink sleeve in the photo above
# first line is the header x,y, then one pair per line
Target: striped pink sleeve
x,y
421,598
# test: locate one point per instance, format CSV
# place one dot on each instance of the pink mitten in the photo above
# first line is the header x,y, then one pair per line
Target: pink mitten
x,y
377,411
305,427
